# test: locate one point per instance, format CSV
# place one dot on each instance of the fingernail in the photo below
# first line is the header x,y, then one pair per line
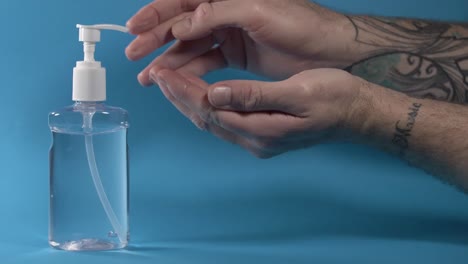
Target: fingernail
x,y
130,25
132,53
221,96
183,26
137,48
141,80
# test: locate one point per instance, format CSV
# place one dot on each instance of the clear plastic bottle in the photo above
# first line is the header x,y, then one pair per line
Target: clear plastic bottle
x,y
89,177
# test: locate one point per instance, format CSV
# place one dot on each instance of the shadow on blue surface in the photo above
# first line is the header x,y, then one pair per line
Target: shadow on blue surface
x,y
289,216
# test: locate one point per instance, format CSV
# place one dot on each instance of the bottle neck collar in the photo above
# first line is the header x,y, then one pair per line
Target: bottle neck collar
x,y
89,103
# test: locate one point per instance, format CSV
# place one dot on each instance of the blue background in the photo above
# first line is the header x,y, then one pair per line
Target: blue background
x,y
194,198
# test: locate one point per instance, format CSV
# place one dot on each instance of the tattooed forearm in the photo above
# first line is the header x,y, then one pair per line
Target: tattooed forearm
x,y
422,59
403,129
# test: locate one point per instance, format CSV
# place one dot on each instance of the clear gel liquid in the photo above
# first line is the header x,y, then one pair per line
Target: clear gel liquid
x,y
78,220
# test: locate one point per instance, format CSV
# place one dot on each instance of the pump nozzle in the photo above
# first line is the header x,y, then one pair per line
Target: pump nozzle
x,y
92,33
89,78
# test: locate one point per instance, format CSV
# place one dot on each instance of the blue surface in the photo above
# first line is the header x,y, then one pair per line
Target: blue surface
x,y
196,199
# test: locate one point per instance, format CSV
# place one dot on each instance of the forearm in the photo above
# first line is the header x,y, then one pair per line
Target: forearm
x,y
420,58
427,133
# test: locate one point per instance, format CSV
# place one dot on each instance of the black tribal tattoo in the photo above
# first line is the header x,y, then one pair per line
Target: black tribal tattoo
x,y
422,59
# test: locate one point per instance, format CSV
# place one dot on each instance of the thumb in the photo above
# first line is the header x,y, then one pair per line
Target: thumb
x,y
251,96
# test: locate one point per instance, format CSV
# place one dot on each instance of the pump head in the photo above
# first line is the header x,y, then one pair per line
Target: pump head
x,y
89,78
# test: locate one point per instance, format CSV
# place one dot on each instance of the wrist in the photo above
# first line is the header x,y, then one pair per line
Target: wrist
x,y
375,111
387,119
358,113
333,42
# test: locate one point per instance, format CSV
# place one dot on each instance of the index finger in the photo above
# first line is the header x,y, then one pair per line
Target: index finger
x,y
187,92
158,12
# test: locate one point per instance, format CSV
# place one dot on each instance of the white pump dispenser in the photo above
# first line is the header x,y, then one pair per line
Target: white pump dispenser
x,y
89,77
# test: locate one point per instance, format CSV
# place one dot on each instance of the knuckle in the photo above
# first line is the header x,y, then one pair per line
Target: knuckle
x,y
251,98
302,83
155,12
312,89
306,89
259,6
203,11
156,38
258,14
320,88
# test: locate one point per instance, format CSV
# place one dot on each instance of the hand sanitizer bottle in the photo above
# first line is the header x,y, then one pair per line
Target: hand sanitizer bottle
x,y
89,161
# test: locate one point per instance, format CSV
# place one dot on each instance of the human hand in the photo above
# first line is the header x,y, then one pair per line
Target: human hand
x,y
268,118
275,38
